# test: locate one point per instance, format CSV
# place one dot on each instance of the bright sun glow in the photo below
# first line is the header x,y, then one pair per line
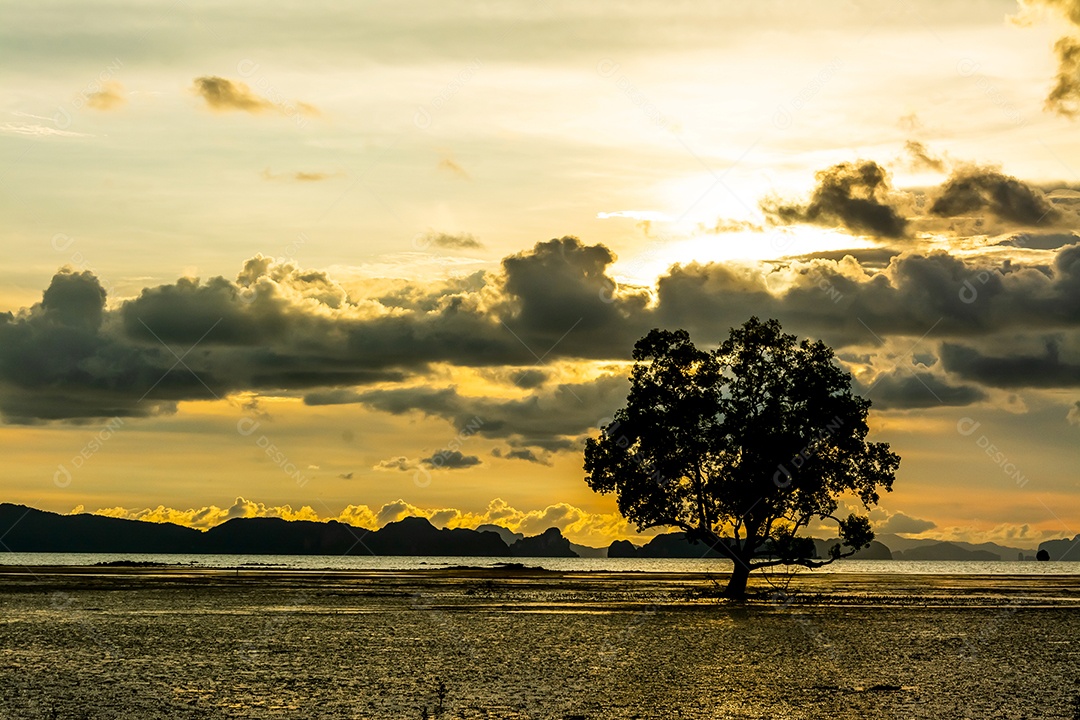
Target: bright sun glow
x,y
645,266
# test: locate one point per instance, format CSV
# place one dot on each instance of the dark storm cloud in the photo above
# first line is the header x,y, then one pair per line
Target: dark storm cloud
x,y
57,361
936,293
1041,241
279,328
526,379
451,460
561,295
215,312
1049,367
69,358
525,454
851,195
286,317
910,388
550,420
74,299
555,298
857,196
974,190
529,379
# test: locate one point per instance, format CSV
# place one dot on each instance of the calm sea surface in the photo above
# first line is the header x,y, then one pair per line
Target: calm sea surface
x,y
673,565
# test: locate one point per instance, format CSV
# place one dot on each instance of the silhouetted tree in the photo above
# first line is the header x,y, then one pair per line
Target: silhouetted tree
x,y
742,447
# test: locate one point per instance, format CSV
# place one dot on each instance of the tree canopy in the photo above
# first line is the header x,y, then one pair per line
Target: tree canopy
x,y
742,447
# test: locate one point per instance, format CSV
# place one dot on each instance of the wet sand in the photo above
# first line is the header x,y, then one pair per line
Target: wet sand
x,y
179,642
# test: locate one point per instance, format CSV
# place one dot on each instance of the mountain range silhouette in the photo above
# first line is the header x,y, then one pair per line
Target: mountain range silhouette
x,y
26,529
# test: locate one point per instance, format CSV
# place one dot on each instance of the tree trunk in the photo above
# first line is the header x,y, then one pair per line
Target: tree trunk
x,y
736,587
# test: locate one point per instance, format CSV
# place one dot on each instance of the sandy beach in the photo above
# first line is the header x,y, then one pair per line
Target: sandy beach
x,y
178,642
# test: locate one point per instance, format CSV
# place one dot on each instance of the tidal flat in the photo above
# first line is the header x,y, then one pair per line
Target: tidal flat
x,y
181,642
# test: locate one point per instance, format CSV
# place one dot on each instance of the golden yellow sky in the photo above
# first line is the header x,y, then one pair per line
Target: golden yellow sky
x,y
384,259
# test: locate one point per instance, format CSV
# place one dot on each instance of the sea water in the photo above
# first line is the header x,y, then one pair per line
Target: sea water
x,y
649,565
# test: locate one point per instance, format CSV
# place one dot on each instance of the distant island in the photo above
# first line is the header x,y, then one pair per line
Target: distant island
x,y
32,530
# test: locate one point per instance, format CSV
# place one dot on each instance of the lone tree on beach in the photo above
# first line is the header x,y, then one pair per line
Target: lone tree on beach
x,y
742,447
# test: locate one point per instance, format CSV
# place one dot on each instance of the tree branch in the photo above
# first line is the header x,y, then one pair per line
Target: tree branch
x,y
804,562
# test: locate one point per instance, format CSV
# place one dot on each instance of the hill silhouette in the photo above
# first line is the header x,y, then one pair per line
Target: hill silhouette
x,y
29,530
1063,549
32,530
944,551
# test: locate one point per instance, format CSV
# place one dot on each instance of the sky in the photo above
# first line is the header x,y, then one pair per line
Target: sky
x,y
361,261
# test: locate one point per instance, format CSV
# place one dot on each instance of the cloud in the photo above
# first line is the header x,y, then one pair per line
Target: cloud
x,y
909,122
561,295
852,195
1041,241
450,460
577,524
597,529
916,294
921,158
975,189
875,257
209,516
399,464
37,130
909,388
458,241
900,523
110,97
57,360
552,419
359,516
857,197
1064,97
447,163
526,454
278,328
298,176
394,511
1055,365
526,379
559,515
224,95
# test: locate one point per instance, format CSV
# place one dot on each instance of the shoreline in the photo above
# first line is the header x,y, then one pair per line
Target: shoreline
x,y
464,586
